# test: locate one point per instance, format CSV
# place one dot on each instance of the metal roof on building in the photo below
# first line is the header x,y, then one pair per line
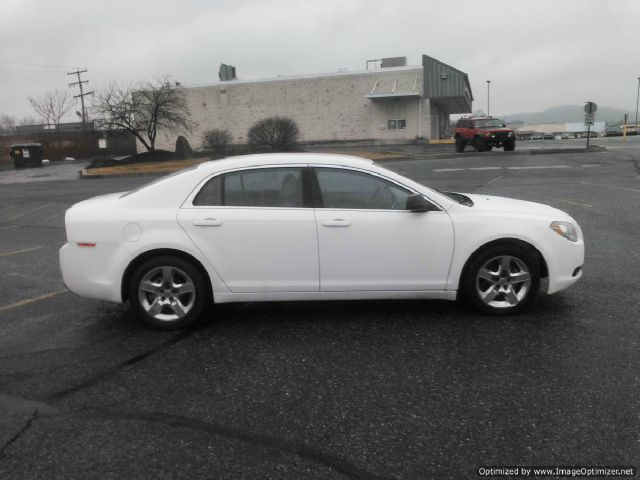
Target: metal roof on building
x,y
446,85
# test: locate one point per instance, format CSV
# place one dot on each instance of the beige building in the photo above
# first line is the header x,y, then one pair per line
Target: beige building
x,y
389,104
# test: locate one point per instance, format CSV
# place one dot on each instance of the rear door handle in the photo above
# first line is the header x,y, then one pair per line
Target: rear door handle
x,y
336,222
207,222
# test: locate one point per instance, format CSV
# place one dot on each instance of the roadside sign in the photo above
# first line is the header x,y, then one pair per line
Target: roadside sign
x,y
589,115
102,143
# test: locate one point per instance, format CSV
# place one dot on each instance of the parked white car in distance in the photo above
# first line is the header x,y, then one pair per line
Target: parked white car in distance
x,y
311,227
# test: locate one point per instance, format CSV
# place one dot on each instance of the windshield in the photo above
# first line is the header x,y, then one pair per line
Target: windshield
x,y
488,123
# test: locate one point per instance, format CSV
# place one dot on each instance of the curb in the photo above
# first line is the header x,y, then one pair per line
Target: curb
x,y
96,176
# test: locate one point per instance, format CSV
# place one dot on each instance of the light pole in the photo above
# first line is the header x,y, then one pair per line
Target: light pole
x,y
637,98
489,97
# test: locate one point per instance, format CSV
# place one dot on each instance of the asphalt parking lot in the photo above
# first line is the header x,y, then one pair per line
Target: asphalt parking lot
x,y
359,390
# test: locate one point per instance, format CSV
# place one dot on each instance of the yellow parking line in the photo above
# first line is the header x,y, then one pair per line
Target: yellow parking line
x,y
16,252
21,303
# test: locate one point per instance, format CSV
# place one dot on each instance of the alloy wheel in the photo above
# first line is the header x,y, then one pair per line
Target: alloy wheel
x,y
166,293
503,282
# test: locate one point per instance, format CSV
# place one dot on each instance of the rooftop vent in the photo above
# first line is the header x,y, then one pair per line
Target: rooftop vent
x,y
226,72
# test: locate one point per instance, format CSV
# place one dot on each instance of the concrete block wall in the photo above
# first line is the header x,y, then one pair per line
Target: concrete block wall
x,y
326,107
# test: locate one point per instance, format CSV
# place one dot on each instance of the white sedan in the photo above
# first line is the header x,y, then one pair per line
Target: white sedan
x,y
311,227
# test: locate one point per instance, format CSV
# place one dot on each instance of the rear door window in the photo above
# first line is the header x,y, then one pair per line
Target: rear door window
x,y
260,187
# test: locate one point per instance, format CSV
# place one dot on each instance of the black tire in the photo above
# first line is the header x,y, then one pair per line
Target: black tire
x,y
488,148
459,145
490,289
479,144
509,145
160,304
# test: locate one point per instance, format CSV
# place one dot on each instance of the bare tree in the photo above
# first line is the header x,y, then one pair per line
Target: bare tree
x,y
217,139
53,105
278,133
7,123
143,111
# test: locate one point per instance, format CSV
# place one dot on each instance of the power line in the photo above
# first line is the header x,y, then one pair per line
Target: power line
x,y
35,64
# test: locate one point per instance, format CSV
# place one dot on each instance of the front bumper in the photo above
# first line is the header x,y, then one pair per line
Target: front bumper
x,y
564,262
498,140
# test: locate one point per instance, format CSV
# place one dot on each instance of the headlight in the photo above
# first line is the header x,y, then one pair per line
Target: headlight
x,y
565,229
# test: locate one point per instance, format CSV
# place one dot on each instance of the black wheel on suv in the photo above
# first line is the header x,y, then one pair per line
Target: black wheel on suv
x,y
479,144
509,145
459,145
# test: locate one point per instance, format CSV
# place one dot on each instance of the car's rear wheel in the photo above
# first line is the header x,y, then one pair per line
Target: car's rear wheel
x,y
502,280
168,293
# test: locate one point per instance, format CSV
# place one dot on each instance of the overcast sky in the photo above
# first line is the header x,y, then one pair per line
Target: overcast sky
x,y
537,54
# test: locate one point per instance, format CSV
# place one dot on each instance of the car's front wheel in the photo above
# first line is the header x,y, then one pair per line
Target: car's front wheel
x,y
168,293
459,145
502,280
509,146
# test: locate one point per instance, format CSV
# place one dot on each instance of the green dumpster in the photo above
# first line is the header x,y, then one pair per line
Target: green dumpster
x,y
26,154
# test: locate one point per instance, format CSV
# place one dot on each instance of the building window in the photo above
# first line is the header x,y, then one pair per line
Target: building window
x,y
396,124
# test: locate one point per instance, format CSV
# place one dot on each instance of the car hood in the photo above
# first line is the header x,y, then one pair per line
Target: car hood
x,y
491,204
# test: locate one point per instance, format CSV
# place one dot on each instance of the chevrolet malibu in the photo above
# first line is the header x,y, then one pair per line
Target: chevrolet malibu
x,y
311,227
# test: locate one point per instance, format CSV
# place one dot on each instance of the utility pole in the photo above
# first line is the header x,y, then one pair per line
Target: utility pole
x,y
488,97
82,93
637,99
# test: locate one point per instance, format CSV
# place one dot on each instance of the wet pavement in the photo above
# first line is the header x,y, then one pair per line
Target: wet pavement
x,y
50,172
362,390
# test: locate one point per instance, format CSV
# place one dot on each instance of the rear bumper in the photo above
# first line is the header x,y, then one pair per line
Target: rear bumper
x,y
92,272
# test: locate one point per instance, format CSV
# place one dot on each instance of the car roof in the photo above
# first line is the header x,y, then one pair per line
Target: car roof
x,y
261,159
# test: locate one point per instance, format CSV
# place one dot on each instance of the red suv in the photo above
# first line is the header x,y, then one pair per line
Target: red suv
x,y
483,133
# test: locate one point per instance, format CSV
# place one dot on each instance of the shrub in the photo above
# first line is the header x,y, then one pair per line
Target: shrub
x,y
183,149
278,133
217,139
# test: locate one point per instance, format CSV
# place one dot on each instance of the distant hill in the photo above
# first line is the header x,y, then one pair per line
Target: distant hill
x,y
569,113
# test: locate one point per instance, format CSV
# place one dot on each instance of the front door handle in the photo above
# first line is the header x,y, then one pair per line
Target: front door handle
x,y
336,222
207,222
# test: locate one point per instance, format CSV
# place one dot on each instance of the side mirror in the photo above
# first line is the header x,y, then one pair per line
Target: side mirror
x,y
417,203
